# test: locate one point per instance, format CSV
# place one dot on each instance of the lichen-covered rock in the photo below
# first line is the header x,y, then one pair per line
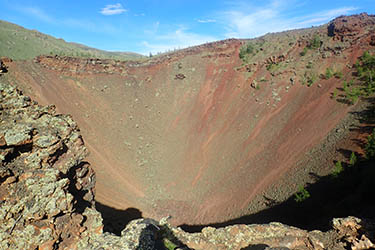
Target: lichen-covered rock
x,y
139,234
43,178
274,235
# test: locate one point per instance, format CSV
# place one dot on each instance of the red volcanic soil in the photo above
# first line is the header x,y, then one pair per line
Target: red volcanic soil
x,y
185,134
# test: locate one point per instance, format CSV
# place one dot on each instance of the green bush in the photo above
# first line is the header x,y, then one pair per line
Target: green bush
x,y
311,79
329,73
339,74
245,50
338,169
303,52
366,71
315,42
353,94
301,195
353,159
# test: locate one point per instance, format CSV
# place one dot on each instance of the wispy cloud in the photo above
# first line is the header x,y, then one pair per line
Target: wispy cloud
x,y
324,16
206,20
178,39
81,24
153,29
246,22
35,12
113,9
90,26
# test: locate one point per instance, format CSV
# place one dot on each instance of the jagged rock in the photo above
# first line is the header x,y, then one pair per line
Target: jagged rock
x,y
350,26
355,232
44,180
274,235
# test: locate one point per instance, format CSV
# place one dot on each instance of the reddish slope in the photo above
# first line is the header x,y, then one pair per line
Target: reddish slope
x,y
185,134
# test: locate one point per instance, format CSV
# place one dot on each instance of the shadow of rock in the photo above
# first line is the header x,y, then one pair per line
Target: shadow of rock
x,y
256,247
115,220
348,194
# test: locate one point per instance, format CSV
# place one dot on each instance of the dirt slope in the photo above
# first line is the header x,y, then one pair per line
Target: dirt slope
x,y
186,134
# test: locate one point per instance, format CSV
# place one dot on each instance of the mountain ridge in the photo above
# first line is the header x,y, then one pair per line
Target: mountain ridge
x,y
35,43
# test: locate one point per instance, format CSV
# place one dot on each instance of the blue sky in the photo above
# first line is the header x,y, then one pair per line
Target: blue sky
x,y
157,26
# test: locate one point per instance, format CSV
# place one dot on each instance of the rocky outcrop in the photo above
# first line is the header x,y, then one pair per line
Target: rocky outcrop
x,y
44,180
350,26
72,65
3,67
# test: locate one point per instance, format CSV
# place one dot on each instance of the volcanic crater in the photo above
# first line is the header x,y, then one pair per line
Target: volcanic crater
x,y
197,134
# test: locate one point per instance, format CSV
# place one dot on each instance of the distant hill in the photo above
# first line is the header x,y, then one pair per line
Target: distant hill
x,y
19,43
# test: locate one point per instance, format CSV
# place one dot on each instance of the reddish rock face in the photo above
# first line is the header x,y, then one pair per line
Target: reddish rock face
x,y
185,134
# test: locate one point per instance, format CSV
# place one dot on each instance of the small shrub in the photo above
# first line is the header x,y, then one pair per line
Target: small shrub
x,y
315,42
311,79
272,67
329,73
339,74
370,146
334,94
303,52
245,50
301,195
338,169
309,65
353,159
353,94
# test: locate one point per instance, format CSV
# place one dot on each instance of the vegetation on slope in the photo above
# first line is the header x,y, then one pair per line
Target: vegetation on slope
x,y
19,43
365,84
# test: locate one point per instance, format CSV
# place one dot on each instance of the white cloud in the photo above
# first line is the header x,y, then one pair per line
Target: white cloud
x,y
206,20
177,39
112,9
246,22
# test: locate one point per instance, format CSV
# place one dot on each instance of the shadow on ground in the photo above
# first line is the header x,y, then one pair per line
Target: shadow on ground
x,y
115,220
350,193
